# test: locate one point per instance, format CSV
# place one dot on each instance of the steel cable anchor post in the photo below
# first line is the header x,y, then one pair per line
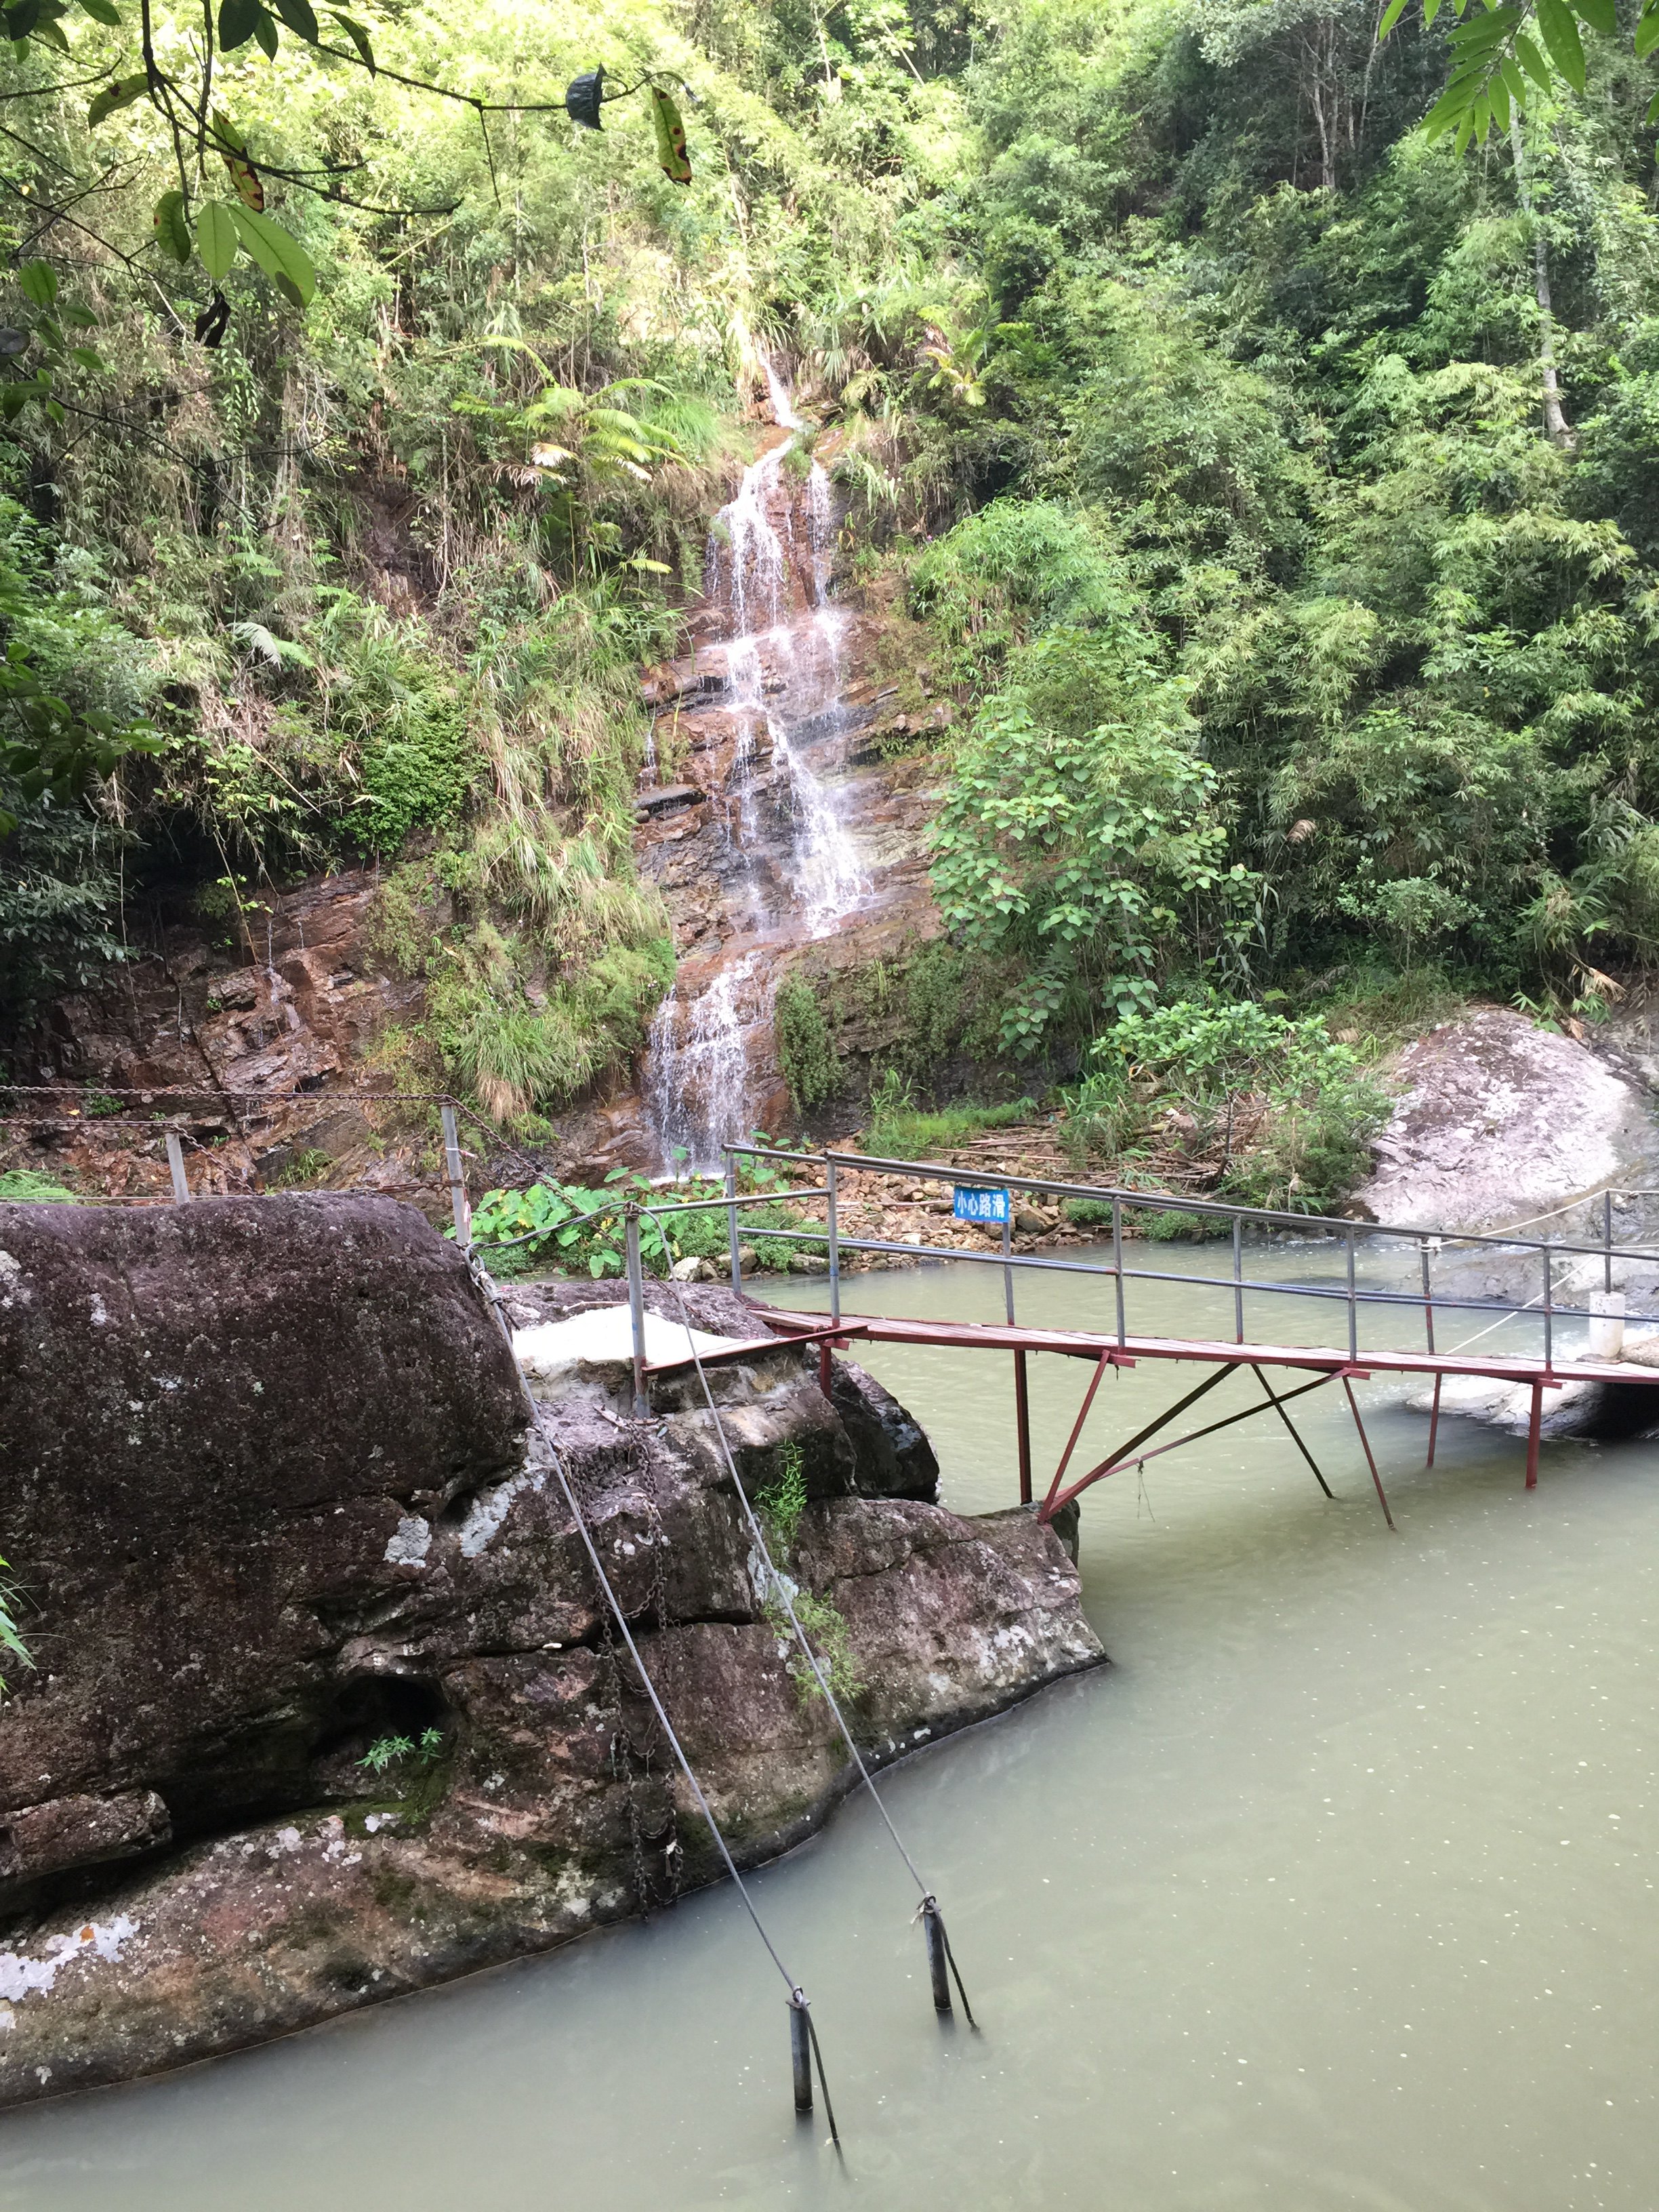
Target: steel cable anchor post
x,y
804,2054
636,1304
941,1961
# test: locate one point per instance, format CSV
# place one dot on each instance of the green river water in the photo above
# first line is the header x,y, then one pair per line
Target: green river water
x,y
1335,1889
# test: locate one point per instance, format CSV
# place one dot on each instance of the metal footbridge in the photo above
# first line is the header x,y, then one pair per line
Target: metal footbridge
x,y
1558,1267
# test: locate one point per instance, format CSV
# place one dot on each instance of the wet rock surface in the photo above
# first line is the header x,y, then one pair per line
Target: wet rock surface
x,y
244,1035
268,1492
1498,1122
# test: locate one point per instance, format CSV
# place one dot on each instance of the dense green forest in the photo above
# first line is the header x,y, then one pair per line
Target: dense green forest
x,y
1272,482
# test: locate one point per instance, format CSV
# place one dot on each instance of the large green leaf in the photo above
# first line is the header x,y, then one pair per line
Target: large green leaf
x,y
359,37
238,19
301,19
172,222
102,11
39,281
671,155
215,239
121,94
278,253
1532,61
1561,40
1602,16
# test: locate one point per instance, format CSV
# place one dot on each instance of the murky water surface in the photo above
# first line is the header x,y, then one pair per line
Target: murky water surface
x,y
1337,1889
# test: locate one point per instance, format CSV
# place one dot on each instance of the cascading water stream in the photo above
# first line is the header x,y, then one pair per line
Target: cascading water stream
x,y
784,677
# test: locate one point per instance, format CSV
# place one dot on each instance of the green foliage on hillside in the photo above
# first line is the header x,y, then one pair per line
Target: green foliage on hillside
x,y
1272,488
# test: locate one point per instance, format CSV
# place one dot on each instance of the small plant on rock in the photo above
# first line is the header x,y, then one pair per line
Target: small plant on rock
x,y
781,1506
11,1641
393,1750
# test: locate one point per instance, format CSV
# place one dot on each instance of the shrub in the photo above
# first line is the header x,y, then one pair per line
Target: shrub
x,y
583,1230
807,1054
1320,1110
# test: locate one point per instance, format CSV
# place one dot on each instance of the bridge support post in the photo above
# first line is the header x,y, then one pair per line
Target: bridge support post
x,y
1023,1424
1535,1428
1382,1495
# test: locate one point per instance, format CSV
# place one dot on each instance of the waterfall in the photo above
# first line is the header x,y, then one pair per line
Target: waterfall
x,y
696,1088
784,676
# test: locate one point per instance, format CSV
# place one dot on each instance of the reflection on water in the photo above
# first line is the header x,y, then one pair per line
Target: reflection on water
x,y
1336,1890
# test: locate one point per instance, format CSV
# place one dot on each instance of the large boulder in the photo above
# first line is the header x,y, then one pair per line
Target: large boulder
x,y
327,1703
1499,1122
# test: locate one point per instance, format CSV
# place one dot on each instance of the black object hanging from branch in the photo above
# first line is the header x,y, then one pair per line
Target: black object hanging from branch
x,y
585,97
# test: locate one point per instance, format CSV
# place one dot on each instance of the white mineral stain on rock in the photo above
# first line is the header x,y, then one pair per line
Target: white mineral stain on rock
x,y
410,1543
489,1509
21,1977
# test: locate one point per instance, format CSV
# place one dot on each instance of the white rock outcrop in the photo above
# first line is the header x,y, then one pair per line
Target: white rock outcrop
x,y
1499,1122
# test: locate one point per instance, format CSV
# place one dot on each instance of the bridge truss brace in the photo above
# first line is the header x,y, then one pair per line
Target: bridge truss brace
x,y
1278,1404
1132,1455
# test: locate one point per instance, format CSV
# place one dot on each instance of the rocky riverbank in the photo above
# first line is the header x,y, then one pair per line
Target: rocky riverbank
x,y
327,1708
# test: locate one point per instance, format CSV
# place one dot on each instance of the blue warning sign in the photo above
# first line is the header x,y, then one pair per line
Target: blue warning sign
x,y
969,1203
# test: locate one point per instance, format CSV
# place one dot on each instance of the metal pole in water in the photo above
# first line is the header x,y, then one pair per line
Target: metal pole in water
x,y
1008,1272
800,2051
1117,1261
636,1306
835,1242
1549,1310
457,1198
933,1929
1607,1241
1353,1307
1023,1427
1535,1430
1428,1330
731,1219
176,1169
1238,1280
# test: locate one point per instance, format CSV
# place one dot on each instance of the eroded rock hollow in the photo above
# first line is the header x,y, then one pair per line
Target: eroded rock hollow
x,y
326,1705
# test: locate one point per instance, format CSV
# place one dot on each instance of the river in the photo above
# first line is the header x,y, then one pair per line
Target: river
x,y
1335,1889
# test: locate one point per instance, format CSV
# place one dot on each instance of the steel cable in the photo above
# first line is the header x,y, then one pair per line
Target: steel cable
x,y
797,1994
781,1584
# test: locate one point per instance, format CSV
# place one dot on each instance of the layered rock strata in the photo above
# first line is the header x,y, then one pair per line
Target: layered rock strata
x,y
266,1484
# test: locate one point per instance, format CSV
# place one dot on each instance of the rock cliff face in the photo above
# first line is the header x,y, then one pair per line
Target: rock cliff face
x,y
266,1482
255,1024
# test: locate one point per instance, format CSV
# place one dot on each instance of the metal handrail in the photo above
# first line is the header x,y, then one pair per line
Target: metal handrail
x,y
1362,1295
1350,1294
1222,1209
